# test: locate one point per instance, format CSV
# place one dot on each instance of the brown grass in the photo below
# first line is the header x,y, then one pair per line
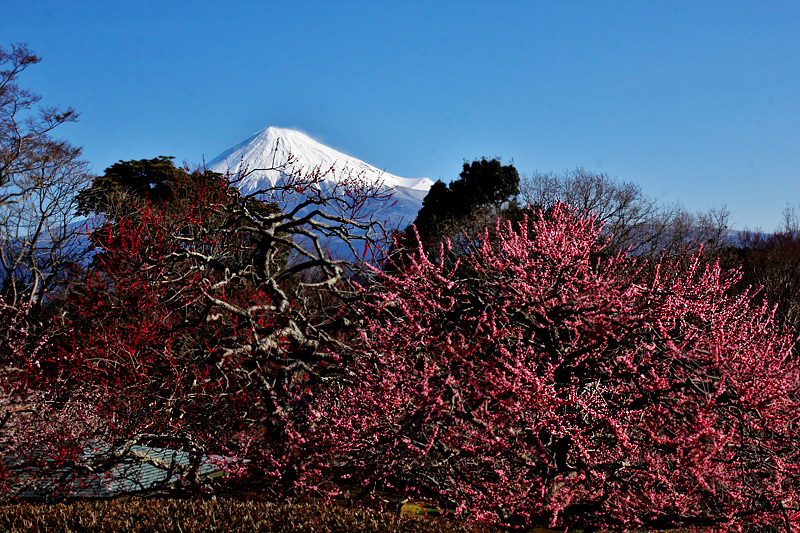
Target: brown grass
x,y
200,516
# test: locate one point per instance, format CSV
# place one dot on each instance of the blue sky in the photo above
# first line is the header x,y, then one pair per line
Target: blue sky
x,y
697,102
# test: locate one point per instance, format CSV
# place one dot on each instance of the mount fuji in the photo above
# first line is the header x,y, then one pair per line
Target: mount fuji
x,y
291,151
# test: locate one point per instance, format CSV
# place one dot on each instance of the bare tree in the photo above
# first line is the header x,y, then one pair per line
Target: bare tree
x,y
631,219
679,229
620,206
39,177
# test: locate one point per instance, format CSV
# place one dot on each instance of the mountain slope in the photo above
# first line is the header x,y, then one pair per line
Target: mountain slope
x,y
293,151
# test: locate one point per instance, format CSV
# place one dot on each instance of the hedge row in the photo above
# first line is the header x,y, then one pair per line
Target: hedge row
x,y
200,516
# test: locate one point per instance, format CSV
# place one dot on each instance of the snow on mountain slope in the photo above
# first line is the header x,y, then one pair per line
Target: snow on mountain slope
x,y
272,147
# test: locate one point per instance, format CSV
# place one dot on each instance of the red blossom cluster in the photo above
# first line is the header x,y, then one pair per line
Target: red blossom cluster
x,y
535,381
199,323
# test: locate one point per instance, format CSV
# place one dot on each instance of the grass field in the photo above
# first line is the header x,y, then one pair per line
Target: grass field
x,y
201,516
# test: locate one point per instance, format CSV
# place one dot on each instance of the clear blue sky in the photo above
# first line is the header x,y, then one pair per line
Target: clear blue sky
x,y
697,102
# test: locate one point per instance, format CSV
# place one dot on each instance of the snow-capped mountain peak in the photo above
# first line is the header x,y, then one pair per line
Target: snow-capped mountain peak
x,y
286,151
272,148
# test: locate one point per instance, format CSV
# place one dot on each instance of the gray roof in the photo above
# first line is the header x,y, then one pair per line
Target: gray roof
x,y
142,469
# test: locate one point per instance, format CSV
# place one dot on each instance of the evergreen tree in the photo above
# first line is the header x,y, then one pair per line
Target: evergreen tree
x,y
483,184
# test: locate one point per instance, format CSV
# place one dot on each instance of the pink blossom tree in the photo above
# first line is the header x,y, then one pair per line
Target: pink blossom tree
x,y
535,382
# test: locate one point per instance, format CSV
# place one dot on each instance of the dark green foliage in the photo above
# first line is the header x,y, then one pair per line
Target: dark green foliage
x,y
199,516
484,183
437,210
156,180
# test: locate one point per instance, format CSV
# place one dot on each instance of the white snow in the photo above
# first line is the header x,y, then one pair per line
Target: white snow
x,y
271,148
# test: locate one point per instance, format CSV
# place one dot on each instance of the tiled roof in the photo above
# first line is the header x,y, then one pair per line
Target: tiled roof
x,y
142,469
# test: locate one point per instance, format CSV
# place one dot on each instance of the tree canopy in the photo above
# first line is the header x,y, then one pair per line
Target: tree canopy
x,y
126,183
484,183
